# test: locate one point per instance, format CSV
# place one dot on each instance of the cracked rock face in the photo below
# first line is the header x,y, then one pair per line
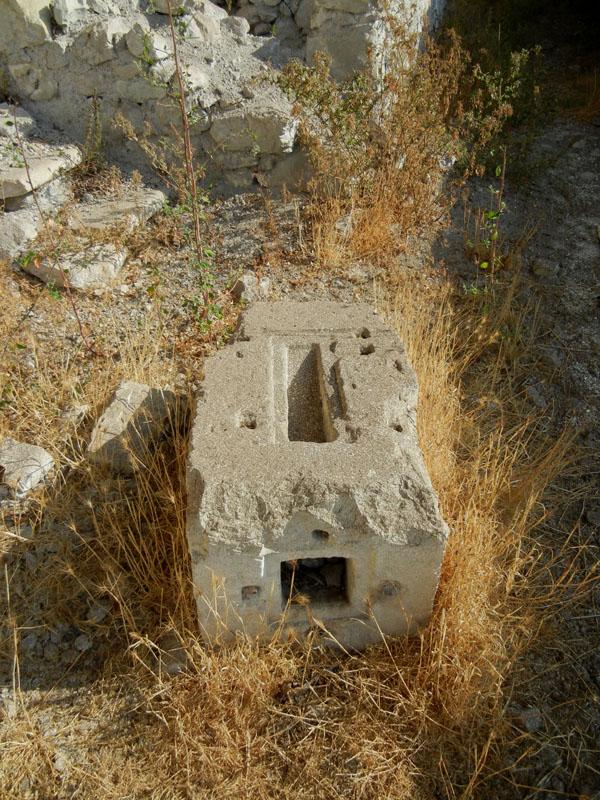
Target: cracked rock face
x,y
306,485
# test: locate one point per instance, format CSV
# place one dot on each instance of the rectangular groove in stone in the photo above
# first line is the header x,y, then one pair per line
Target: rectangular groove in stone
x,y
309,418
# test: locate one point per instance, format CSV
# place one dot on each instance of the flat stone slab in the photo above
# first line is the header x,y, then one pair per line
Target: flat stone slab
x,y
127,211
25,465
88,269
15,182
124,436
19,227
307,492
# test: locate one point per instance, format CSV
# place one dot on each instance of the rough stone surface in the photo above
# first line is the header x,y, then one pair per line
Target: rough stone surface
x,y
125,211
304,449
124,435
248,288
25,23
24,465
24,121
57,55
20,224
87,269
15,182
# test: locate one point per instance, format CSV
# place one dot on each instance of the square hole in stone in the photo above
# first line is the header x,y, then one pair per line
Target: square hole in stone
x,y
315,580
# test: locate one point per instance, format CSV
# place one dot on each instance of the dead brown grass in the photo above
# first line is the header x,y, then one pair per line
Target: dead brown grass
x,y
413,718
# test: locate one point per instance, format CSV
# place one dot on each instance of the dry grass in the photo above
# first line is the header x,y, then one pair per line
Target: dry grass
x,y
423,717
426,717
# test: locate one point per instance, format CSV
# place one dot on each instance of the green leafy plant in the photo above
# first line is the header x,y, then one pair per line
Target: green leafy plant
x,y
486,250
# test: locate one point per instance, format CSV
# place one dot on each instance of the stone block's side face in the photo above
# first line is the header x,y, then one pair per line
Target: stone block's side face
x,y
307,492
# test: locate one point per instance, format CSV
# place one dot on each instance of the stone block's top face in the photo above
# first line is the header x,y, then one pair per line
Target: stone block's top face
x,y
310,410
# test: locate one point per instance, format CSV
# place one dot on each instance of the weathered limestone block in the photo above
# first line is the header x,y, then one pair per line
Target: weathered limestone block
x,y
68,14
18,227
92,267
236,25
140,90
125,435
25,465
204,27
95,44
15,182
25,122
146,44
24,23
178,7
262,130
307,491
33,82
125,212
248,288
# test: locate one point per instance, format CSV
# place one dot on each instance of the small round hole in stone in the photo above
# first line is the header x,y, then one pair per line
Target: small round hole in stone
x,y
364,333
397,427
319,535
247,420
367,349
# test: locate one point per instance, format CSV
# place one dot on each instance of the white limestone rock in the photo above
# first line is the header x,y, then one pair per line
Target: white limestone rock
x,y
14,181
25,465
125,212
304,456
22,222
125,435
178,7
236,25
95,44
88,269
25,123
24,23
260,129
69,13
33,82
248,288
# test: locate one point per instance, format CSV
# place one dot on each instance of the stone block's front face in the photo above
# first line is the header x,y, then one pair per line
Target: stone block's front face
x,y
307,492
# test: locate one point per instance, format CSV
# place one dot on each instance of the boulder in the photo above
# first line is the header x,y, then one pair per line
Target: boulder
x,y
125,435
95,44
87,269
14,181
261,129
25,465
24,23
22,222
124,212
25,123
33,82
248,288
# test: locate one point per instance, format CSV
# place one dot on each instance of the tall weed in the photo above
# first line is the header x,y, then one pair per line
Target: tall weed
x,y
381,143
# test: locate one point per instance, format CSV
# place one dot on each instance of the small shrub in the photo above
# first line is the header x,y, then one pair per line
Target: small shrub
x,y
381,145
